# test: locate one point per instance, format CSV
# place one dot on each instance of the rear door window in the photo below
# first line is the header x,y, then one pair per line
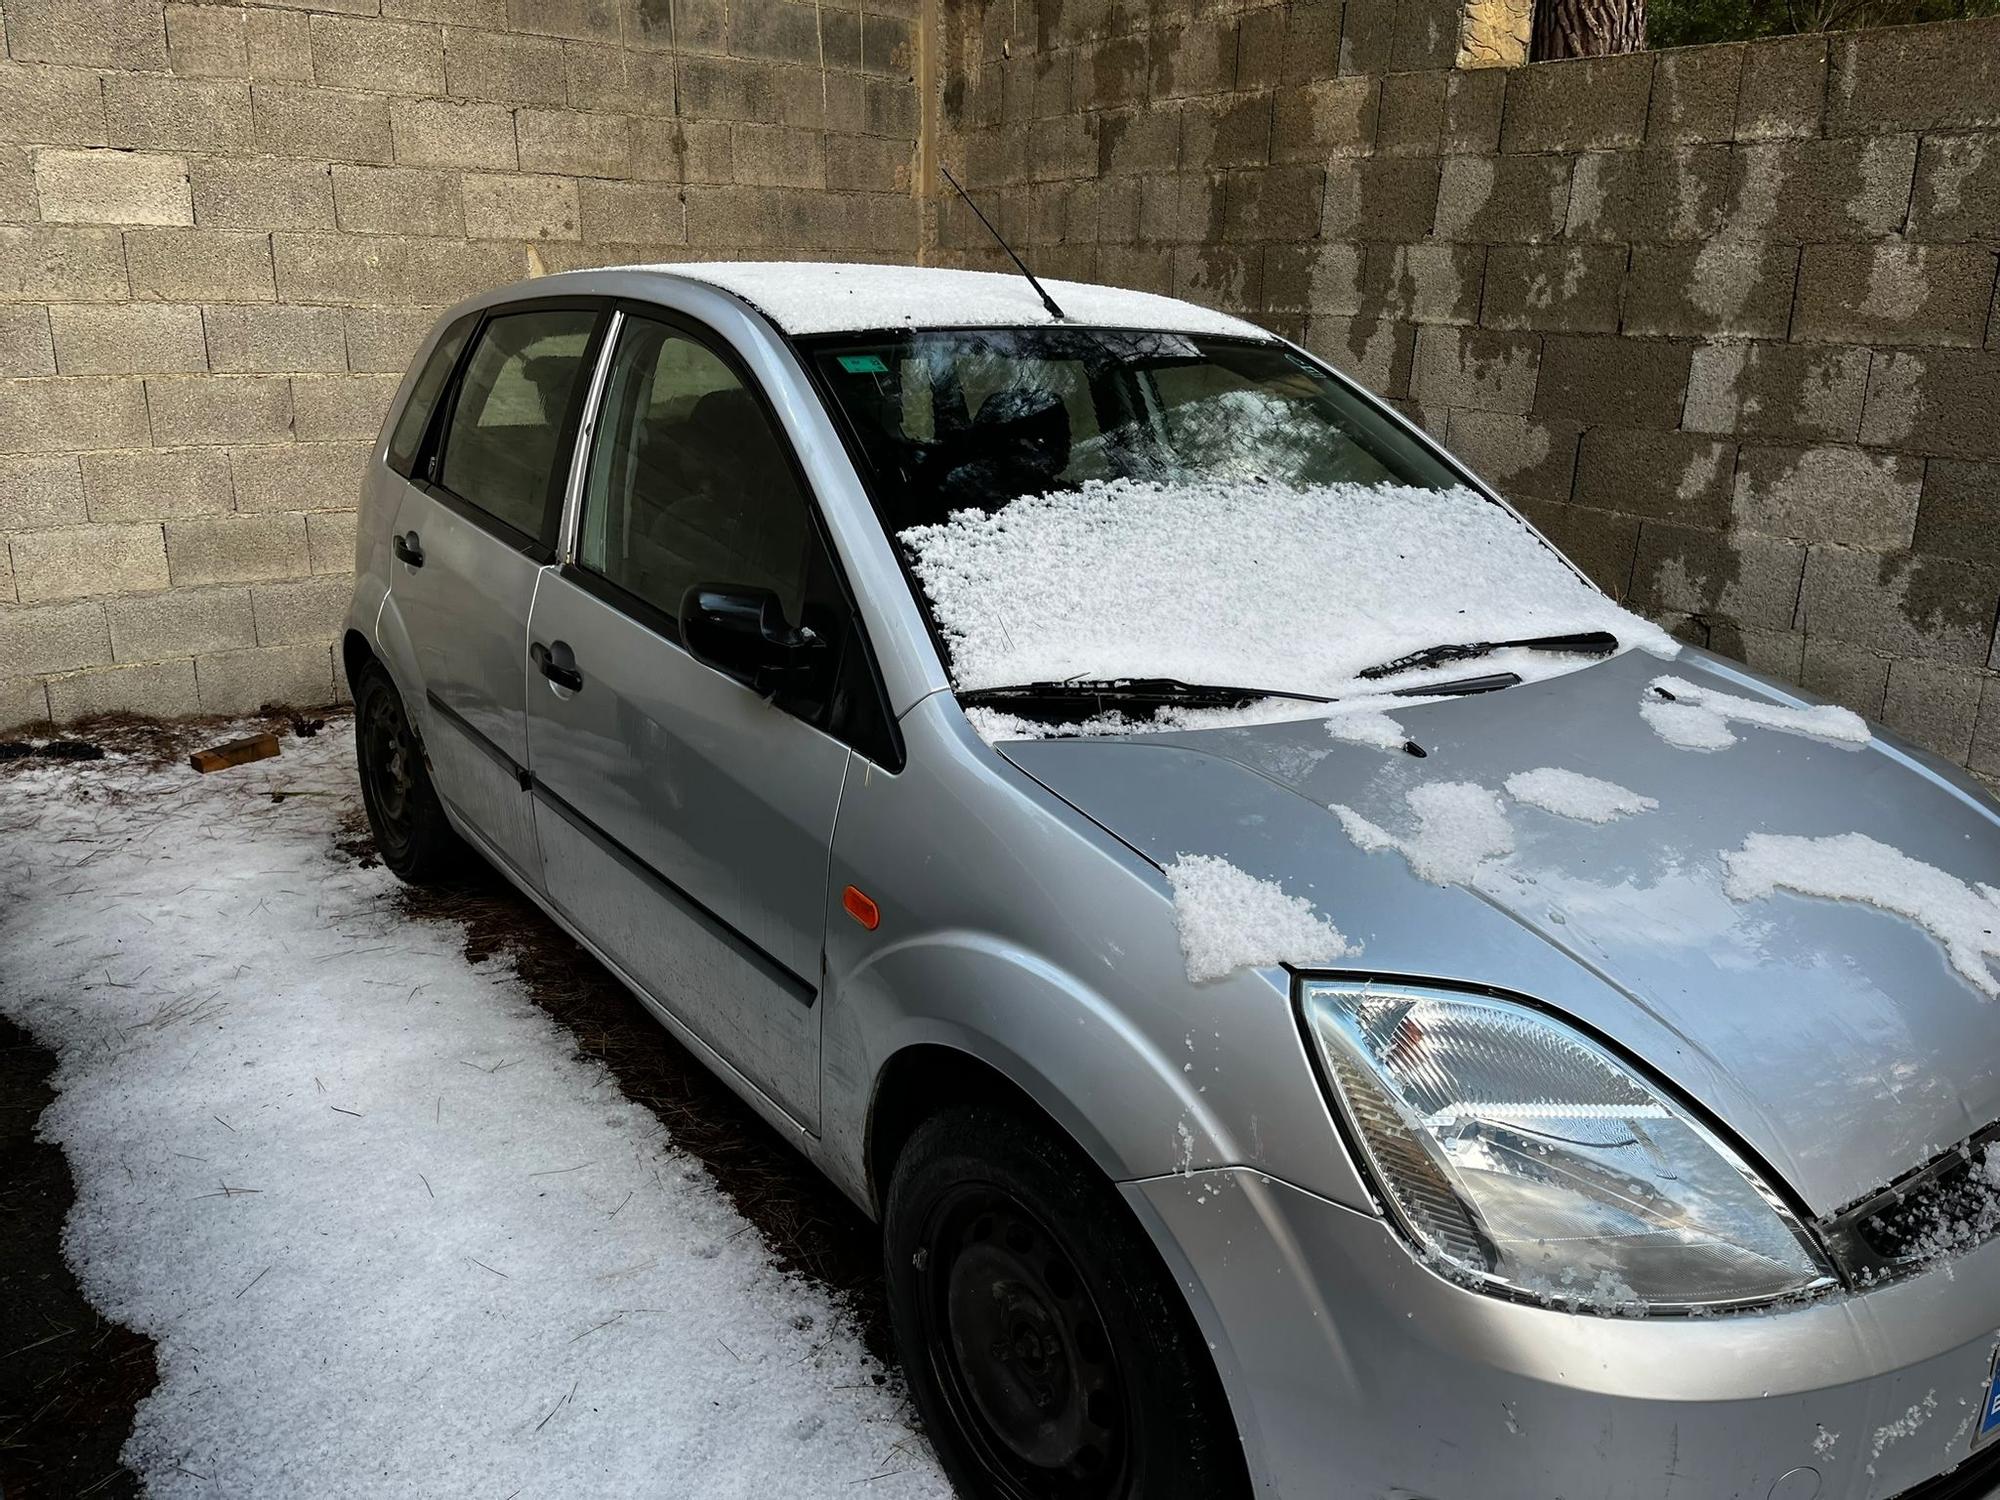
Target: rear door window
x,y
514,405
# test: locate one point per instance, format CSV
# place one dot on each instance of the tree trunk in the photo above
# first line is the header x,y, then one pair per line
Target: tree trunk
x,y
1587,28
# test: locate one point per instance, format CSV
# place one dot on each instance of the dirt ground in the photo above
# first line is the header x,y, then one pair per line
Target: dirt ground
x,y
70,1381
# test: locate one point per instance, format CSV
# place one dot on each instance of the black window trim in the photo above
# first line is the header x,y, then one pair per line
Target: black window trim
x,y
429,463
890,754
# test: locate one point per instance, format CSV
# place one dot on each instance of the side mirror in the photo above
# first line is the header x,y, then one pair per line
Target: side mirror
x,y
741,631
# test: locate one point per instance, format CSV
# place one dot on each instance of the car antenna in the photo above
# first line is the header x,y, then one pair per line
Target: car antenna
x,y
1021,265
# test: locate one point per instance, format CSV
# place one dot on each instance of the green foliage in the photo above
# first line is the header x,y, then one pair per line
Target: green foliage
x,y
1684,23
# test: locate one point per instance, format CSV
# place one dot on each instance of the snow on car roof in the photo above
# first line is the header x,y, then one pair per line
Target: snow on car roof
x,y
805,297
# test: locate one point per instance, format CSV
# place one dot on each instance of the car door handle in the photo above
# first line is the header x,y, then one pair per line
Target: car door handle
x,y
558,664
408,549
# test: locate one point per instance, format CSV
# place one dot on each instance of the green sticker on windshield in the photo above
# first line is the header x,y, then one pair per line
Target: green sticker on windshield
x,y
863,364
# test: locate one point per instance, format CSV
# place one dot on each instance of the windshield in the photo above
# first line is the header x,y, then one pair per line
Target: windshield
x,y
951,420
1111,522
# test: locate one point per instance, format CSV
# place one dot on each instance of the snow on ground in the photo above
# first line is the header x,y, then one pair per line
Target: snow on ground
x,y
391,1235
1460,828
1571,794
1204,594
1693,717
1964,918
1230,919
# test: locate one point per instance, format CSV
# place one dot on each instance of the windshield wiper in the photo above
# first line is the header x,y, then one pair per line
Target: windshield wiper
x,y
1153,691
1588,643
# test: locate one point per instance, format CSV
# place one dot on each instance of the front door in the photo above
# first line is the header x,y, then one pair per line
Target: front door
x,y
685,819
473,532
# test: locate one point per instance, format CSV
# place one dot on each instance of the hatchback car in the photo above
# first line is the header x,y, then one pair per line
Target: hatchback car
x,y
1321,1001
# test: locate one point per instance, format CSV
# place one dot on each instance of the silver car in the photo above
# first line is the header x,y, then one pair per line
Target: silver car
x,y
1320,1000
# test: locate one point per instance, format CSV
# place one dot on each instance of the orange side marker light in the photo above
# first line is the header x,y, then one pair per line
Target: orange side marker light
x,y
859,907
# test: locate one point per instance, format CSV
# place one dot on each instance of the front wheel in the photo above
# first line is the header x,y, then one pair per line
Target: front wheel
x,y
412,835
1049,1353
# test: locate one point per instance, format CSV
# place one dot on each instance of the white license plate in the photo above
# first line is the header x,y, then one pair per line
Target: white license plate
x,y
1989,1416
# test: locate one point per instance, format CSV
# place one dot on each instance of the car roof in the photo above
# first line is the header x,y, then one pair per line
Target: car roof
x,y
808,297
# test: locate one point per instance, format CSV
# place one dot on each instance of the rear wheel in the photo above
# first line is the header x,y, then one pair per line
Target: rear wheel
x,y
411,832
1049,1352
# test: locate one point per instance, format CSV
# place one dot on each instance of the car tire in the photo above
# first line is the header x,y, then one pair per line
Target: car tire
x,y
1050,1354
411,831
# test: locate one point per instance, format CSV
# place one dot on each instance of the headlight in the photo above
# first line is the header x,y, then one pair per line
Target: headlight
x,y
1524,1158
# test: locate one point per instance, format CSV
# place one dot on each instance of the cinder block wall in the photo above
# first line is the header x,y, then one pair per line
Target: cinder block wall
x,y
224,226
1723,320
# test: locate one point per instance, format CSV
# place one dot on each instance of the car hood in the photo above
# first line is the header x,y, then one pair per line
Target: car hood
x,y
1835,1038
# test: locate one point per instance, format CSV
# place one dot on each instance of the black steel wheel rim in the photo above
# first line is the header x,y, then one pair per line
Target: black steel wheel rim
x,y
1020,1352
389,764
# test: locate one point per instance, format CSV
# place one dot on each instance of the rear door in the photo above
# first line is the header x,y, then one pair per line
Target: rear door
x,y
685,820
472,535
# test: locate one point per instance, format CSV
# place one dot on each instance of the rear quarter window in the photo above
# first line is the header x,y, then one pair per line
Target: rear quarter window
x,y
415,417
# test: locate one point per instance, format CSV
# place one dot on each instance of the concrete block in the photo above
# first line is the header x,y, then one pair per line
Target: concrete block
x,y
86,33
1410,118
199,265
26,346
1554,288
1234,130
261,193
488,13
1059,149
58,264
1841,495
1695,92
1906,604
1937,401
1777,391
1260,53
1312,121
40,491
63,415
216,409
328,408
366,271
867,164
398,200
1423,283
1599,542
24,703
323,124
1664,476
1273,203
1391,199
1894,294
307,611
134,339
1473,105
241,682
453,133
1426,35
1476,368
1936,706
1586,105
511,69
1312,277
53,638
560,140
1783,89
1814,191
1720,288
207,41
1221,277
1146,140
236,549
150,484
1633,382
330,541
1374,351
1503,199
17,186
178,114
361,52
1745,580
1846,673
775,156
1958,189
1959,515
75,562
112,187
257,340
154,690
279,44
1985,757
50,106
383,340
1312,40
778,30
1652,196
630,213
1199,58
1915,78
1520,457
1368,36
520,208
300,476
600,80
